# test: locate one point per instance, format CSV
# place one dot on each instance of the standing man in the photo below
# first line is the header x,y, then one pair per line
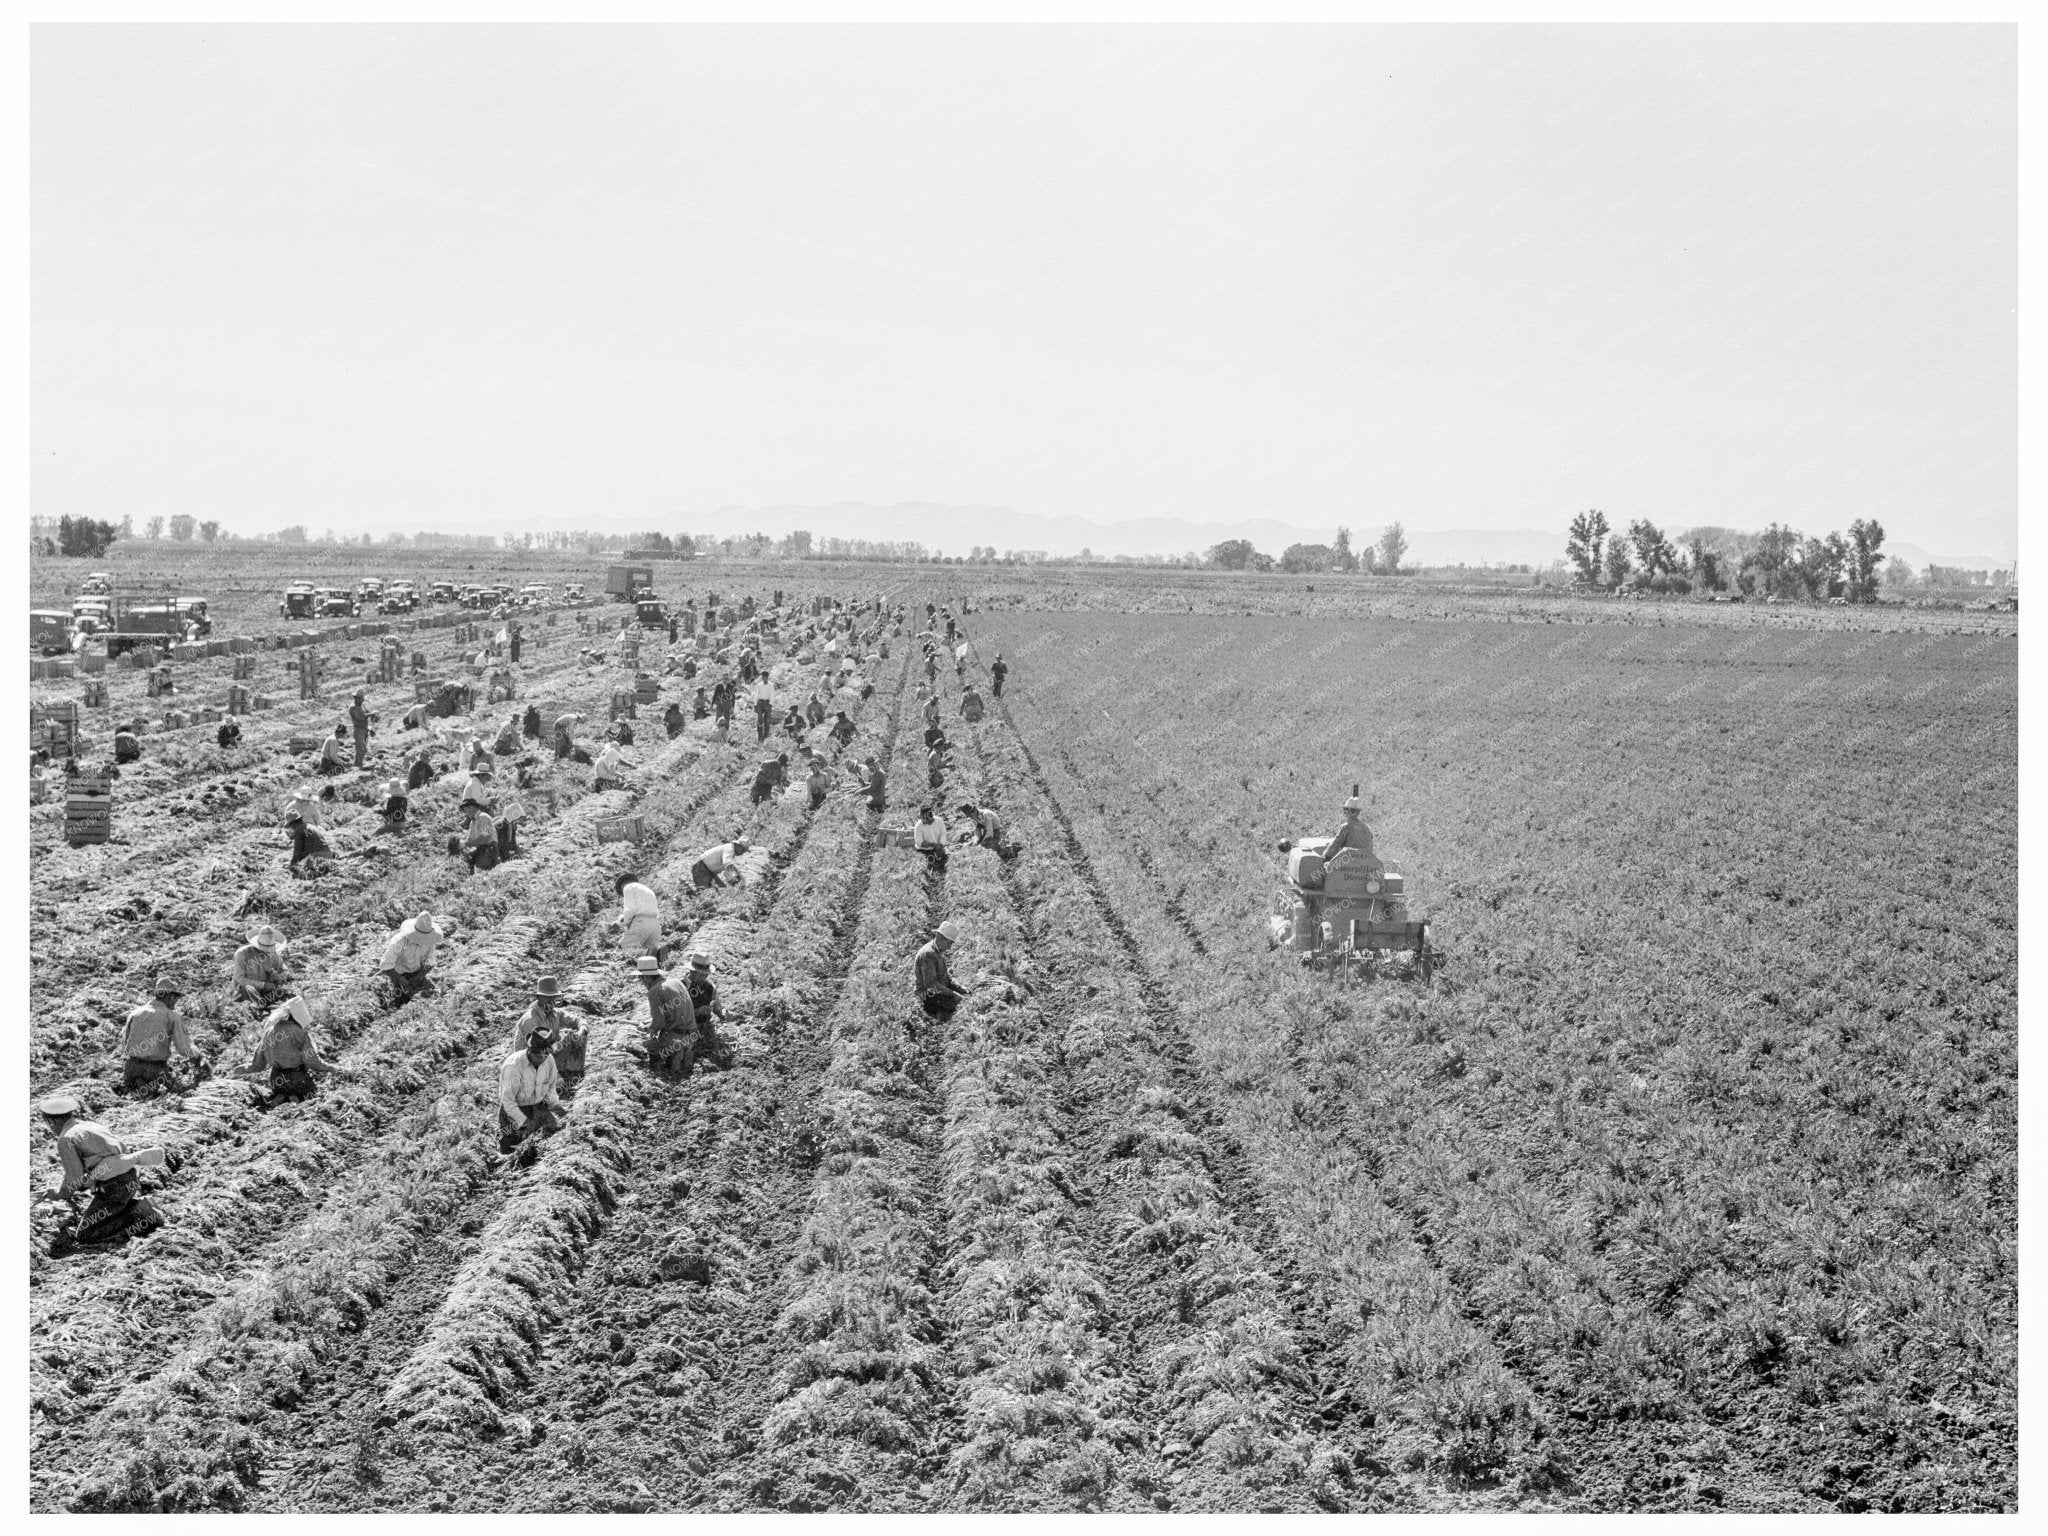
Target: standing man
x,y
764,710
671,1020
518,635
639,919
151,1033
937,992
529,1093
359,723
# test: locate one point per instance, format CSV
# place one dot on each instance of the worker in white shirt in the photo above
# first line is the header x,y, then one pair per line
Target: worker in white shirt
x,y
408,959
711,865
259,973
529,1093
928,837
639,920
609,772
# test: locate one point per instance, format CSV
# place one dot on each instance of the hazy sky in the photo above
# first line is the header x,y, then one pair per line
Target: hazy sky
x,y
461,277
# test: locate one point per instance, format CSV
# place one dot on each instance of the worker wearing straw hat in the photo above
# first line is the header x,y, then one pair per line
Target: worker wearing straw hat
x,y
937,992
259,973
408,959
93,1158
671,1019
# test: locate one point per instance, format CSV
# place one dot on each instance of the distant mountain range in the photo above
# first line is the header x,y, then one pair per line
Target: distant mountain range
x,y
954,530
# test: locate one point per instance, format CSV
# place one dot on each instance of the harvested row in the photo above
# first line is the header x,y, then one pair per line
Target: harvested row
x,y
485,1341
263,1337
671,1306
861,1400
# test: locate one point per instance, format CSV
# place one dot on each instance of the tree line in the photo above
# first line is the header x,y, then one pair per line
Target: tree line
x,y
1779,562
1378,559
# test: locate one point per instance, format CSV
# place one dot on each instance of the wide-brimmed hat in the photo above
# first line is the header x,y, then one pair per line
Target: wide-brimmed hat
x,y
166,986
1354,804
547,986
647,965
266,936
58,1104
301,1010
426,922
395,787
949,931
544,1033
699,961
293,813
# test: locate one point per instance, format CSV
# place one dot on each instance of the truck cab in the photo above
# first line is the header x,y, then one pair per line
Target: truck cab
x,y
400,597
297,601
333,603
651,613
98,584
628,583
441,592
572,592
49,631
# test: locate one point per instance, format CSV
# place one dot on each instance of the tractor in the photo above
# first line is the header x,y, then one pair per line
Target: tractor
x,y
1345,912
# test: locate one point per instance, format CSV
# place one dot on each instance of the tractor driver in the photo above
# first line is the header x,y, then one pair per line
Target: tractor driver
x,y
1353,834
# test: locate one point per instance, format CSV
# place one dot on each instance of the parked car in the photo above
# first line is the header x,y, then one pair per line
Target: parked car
x,y
297,602
442,592
333,603
98,584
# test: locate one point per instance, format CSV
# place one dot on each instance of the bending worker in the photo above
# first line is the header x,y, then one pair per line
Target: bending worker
x,y
92,1157
151,1033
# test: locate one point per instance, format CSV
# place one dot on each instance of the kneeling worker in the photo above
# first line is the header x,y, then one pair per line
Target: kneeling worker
x,y
259,966
712,864
529,1092
92,1157
288,1054
151,1033
937,992
671,1020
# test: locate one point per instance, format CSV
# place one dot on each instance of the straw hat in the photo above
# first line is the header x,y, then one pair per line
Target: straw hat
x,y
949,931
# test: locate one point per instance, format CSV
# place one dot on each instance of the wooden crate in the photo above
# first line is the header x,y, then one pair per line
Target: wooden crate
x,y
621,829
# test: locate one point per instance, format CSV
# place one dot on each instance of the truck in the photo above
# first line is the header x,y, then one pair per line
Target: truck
x,y
627,583
133,621
441,592
650,613
333,603
49,631
297,601
400,597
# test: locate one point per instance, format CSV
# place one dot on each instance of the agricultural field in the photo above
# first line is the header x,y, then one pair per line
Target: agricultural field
x,y
1687,1180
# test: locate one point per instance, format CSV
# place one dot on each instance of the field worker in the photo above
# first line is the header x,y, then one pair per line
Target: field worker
x,y
814,712
565,742
711,865
479,840
312,854
622,733
421,773
931,668
671,1019
818,782
772,775
259,973
572,1051
1353,834
999,670
764,710
971,707
843,730
408,960
929,838
672,717
287,1053
937,992
675,629
986,827
396,804
507,741
359,724
529,723
935,736
229,734
414,718
935,768
518,636
151,1033
93,1158
529,1092
541,1013
639,919
306,801
876,783
703,993
794,725
477,787
333,754
610,768
127,748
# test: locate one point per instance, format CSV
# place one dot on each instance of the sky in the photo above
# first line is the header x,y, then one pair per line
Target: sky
x,y
467,278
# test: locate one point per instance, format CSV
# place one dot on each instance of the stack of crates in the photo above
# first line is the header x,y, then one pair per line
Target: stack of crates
x,y
54,727
88,809
622,705
646,689
311,667
95,693
244,667
238,698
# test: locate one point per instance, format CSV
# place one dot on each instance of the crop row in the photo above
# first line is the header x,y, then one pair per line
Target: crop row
x,y
257,1336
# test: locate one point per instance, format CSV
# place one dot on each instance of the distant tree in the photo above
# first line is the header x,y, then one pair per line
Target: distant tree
x,y
153,529
1232,555
296,534
800,544
1393,545
127,526
183,526
1618,565
1818,569
1297,558
1866,539
1771,568
1340,549
1897,573
685,545
1705,563
1653,551
209,531
85,537
1585,546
